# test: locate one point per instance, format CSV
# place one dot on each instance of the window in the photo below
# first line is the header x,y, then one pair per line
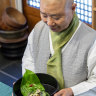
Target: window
x,y
34,3
83,9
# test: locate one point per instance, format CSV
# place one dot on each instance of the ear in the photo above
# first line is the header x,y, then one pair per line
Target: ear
x,y
74,7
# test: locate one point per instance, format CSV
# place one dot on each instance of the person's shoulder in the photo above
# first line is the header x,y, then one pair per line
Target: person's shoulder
x,y
40,24
88,28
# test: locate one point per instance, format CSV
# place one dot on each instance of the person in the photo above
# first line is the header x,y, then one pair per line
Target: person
x,y
64,47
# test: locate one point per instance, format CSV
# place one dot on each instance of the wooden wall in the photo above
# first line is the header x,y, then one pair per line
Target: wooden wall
x,y
32,15
3,5
13,3
94,14
6,3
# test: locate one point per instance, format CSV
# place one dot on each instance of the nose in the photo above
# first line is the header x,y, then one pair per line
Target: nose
x,y
50,21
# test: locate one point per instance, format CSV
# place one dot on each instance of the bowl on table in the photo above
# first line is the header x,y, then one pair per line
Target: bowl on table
x,y
14,34
50,84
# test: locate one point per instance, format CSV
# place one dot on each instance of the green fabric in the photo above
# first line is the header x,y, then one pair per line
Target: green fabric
x,y
59,39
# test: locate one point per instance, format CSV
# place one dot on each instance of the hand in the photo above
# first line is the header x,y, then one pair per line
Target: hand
x,y
65,92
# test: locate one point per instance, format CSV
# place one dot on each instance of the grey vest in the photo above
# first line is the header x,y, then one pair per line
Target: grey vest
x,y
74,56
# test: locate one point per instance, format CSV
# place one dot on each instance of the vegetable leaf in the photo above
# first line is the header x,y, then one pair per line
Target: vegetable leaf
x,y
30,83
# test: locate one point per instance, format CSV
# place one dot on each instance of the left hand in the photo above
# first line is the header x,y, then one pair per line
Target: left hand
x,y
65,92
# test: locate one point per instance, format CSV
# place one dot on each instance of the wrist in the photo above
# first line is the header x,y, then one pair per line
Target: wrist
x,y
71,91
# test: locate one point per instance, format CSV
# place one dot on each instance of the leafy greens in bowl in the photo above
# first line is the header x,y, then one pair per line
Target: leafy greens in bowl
x,y
39,84
31,85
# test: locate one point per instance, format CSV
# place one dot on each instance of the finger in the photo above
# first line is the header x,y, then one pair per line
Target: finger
x,y
58,94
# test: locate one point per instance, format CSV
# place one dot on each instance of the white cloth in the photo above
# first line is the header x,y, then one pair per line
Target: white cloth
x,y
28,63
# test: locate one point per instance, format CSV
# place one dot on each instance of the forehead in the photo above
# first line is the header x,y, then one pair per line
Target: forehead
x,y
52,6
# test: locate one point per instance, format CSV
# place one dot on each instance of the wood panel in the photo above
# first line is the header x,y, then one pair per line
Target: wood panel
x,y
4,4
94,14
32,15
13,3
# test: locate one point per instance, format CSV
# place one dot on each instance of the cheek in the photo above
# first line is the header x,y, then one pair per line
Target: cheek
x,y
59,22
44,20
66,22
42,17
62,23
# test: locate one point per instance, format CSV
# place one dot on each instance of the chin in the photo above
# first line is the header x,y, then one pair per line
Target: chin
x,y
56,30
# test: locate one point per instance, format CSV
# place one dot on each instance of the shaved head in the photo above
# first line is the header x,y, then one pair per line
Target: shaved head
x,y
66,3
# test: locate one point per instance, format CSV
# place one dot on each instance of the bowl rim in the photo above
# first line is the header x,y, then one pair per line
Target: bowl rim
x,y
13,31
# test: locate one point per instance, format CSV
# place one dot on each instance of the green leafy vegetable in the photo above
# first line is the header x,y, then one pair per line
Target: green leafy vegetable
x,y
30,84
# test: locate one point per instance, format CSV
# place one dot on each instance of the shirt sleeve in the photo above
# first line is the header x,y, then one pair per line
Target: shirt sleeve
x,y
28,60
90,84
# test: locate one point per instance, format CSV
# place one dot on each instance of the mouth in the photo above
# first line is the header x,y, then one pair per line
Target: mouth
x,y
52,28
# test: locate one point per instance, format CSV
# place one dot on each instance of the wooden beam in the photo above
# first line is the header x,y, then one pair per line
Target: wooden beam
x,y
13,3
94,14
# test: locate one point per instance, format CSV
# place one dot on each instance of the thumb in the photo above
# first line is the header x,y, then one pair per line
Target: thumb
x,y
58,93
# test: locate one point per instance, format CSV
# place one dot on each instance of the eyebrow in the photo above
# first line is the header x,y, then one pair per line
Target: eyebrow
x,y
51,14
